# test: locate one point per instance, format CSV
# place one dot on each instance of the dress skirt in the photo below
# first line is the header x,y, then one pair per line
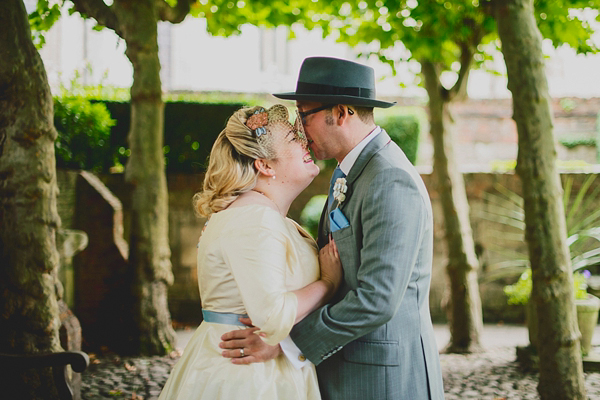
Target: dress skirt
x,y
203,373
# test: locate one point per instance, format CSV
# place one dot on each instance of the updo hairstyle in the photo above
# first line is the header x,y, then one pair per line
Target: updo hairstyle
x,y
248,136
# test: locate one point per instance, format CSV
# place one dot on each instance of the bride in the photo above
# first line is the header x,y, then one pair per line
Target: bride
x,y
254,262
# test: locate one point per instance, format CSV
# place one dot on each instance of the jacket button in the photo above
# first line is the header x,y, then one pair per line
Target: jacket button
x,y
301,357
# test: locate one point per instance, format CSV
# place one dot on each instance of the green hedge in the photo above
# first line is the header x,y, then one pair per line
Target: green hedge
x,y
190,131
93,133
311,214
84,131
404,130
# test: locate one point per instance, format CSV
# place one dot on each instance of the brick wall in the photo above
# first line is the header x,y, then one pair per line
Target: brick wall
x,y
484,130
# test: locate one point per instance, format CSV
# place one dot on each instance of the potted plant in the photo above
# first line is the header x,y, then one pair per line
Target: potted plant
x,y
587,306
583,238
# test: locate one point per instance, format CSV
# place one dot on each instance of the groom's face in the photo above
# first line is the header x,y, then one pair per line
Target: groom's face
x,y
319,129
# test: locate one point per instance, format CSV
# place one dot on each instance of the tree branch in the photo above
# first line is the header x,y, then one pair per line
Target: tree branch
x,y
433,83
98,10
466,58
173,14
467,51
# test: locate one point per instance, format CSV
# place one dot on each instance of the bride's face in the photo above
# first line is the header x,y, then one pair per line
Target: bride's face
x,y
293,165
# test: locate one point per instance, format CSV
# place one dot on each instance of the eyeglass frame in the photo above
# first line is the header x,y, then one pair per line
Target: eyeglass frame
x,y
304,114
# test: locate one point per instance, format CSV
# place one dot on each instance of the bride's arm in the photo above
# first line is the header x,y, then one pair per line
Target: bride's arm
x,y
309,299
318,293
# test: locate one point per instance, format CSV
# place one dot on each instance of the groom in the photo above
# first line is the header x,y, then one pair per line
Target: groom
x,y
375,339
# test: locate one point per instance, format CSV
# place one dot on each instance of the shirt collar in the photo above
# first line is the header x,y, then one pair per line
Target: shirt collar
x,y
348,161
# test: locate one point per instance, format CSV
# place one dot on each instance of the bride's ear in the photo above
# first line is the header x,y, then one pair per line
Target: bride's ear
x,y
264,168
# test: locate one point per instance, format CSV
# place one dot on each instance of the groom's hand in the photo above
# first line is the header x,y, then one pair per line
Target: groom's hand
x,y
243,346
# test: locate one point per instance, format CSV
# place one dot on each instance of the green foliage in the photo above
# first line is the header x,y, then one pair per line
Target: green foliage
x,y
42,19
520,292
98,91
443,32
558,22
311,214
574,141
582,221
404,130
190,130
83,134
226,17
220,98
190,126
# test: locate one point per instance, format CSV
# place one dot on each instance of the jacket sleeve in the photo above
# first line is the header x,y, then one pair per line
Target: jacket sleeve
x,y
393,218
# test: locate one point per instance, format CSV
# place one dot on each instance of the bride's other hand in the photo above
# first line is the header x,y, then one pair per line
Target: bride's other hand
x,y
331,265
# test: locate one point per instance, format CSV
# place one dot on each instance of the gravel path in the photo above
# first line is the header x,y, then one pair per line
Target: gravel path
x,y
492,375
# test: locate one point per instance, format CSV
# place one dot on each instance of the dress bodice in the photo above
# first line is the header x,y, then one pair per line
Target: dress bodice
x,y
249,260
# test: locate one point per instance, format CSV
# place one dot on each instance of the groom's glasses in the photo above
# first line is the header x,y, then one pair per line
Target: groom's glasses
x,y
304,114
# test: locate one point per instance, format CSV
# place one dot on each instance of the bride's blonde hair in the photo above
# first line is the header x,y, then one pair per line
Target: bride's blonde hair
x,y
231,171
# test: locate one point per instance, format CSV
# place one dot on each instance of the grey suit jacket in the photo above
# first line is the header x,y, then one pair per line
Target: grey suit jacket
x,y
375,340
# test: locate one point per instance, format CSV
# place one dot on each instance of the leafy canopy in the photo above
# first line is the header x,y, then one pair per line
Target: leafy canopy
x,y
441,31
450,33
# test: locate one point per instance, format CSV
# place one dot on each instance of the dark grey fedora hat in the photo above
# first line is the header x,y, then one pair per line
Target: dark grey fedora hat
x,y
336,81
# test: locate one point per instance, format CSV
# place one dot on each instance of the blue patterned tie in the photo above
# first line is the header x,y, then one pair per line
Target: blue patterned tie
x,y
337,173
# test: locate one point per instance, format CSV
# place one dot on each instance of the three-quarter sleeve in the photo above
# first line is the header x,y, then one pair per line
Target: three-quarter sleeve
x,y
258,260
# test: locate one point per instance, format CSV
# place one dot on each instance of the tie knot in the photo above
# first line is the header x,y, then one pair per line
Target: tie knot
x,y
337,173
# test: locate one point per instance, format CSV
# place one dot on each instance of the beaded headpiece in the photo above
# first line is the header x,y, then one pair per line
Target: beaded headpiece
x,y
264,122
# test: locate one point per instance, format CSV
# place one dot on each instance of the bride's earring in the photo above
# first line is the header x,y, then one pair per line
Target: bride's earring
x,y
274,177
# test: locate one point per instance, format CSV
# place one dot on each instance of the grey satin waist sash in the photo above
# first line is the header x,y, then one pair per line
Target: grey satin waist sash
x,y
223,318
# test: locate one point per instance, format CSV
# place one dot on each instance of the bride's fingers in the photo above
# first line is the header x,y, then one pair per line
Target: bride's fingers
x,y
233,354
247,322
332,249
238,334
245,360
335,249
233,344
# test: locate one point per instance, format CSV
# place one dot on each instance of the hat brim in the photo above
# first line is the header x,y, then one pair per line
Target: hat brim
x,y
335,99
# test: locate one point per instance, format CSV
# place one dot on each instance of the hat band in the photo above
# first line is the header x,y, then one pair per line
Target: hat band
x,y
319,89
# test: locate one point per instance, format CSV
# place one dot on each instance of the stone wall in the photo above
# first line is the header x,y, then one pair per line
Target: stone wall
x,y
493,240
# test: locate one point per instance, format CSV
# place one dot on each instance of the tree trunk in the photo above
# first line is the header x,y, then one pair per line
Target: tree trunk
x,y
561,370
149,248
465,314
29,318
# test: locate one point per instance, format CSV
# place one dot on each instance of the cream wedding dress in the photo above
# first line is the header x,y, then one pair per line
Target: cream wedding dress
x,y
250,258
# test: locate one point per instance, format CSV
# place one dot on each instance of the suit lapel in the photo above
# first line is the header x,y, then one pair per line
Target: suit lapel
x,y
374,146
378,143
323,228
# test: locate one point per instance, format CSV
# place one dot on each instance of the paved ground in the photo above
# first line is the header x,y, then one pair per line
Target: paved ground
x,y
492,375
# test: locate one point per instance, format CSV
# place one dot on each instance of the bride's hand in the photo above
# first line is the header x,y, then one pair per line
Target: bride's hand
x,y
331,266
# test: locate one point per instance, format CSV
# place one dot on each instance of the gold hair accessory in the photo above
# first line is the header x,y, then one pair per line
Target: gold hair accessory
x,y
263,122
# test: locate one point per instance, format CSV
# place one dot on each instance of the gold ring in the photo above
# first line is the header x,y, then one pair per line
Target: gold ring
x,y
241,352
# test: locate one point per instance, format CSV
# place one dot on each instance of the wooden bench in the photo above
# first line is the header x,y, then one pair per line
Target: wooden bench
x,y
57,361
